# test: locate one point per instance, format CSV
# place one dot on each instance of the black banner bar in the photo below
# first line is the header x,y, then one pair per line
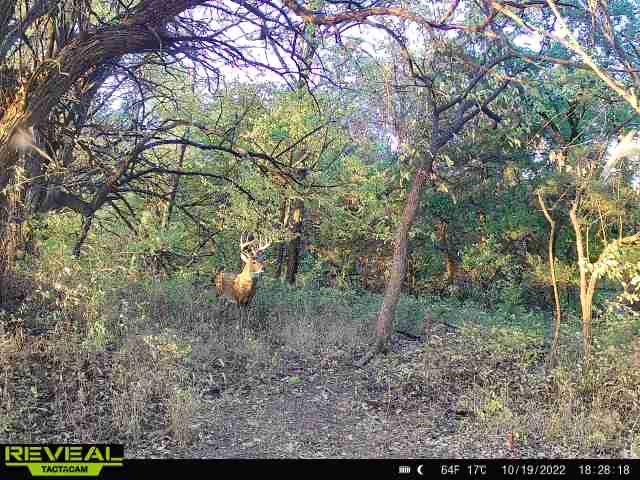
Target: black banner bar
x,y
398,469
301,468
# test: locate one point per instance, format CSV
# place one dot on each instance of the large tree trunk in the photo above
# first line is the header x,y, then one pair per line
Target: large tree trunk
x,y
34,100
31,103
386,316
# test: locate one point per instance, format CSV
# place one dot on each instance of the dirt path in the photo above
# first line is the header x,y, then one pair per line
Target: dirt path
x,y
304,409
305,412
320,417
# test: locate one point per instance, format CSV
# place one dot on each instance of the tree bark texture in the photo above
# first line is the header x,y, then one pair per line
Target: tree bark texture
x,y
399,264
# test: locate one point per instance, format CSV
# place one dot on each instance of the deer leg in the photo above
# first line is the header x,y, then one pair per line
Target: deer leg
x,y
244,318
250,319
222,305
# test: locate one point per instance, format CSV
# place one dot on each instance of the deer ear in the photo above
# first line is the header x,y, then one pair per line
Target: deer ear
x,y
245,258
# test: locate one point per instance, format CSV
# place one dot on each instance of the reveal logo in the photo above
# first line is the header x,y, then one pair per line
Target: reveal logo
x,y
63,460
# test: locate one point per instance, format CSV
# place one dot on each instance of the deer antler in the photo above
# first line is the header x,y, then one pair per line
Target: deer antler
x,y
264,244
244,242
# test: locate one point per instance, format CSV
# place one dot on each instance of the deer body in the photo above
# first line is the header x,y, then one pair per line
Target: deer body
x,y
240,288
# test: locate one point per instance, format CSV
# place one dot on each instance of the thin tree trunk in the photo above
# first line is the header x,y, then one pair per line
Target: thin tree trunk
x,y
450,264
587,285
590,274
166,220
11,217
282,256
451,268
364,272
554,282
587,317
294,210
293,261
282,249
387,312
84,233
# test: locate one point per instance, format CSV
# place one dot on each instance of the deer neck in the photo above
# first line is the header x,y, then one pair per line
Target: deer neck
x,y
248,275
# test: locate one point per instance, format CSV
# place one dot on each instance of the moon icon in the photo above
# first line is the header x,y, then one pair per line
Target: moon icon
x,y
420,469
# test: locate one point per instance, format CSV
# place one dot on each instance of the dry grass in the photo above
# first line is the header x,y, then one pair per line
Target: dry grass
x,y
160,365
138,369
500,386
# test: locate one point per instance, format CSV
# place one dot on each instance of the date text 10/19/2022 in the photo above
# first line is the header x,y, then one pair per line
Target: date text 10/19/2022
x,y
553,468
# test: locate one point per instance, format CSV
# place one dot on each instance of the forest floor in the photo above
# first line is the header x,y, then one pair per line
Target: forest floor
x,y
307,411
325,407
171,378
322,408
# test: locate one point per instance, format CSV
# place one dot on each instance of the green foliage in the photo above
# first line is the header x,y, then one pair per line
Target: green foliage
x,y
358,179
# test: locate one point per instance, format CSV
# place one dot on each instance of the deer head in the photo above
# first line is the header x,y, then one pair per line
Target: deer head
x,y
252,254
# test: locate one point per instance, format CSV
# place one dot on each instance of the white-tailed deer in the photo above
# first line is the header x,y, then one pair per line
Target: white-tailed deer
x,y
240,288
